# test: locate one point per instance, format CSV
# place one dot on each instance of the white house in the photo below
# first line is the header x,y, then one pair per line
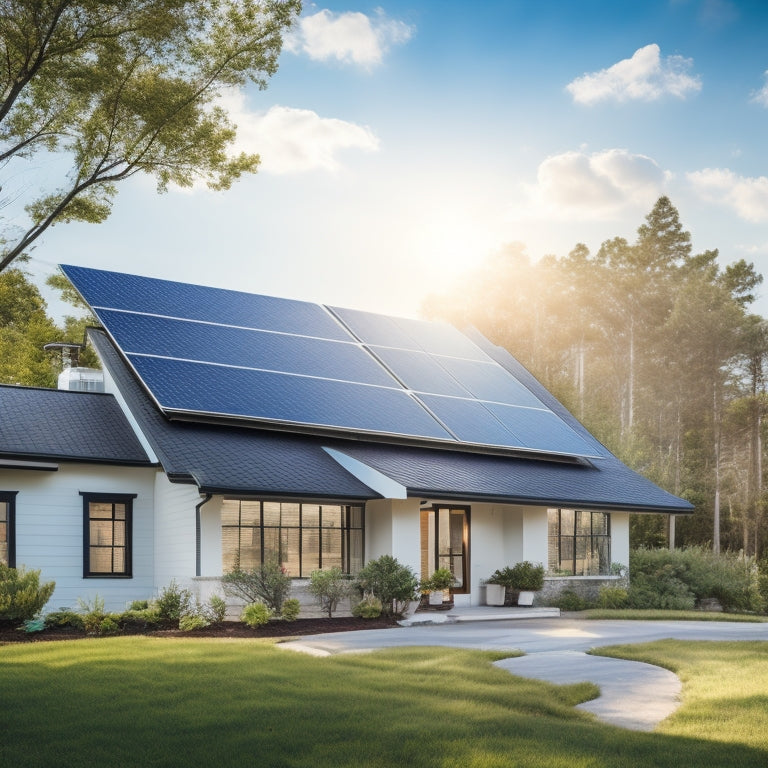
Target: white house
x,y
242,426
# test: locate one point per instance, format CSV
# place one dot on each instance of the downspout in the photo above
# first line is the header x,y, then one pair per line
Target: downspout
x,y
198,533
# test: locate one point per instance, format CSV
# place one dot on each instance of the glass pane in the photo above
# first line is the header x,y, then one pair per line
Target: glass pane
x,y
250,513
355,517
600,523
230,546
119,511
271,513
331,517
3,553
100,560
566,522
230,512
331,548
289,542
310,516
583,523
250,548
118,533
118,561
271,544
3,511
553,522
100,510
310,551
290,515
355,556
100,532
457,531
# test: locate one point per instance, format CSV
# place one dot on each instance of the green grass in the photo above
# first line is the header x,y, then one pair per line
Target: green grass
x,y
141,701
658,615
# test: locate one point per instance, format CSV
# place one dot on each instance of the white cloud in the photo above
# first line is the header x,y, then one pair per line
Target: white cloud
x,y
761,97
595,186
351,37
295,140
645,77
747,196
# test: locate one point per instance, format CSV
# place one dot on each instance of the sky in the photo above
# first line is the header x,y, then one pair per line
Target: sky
x,y
403,142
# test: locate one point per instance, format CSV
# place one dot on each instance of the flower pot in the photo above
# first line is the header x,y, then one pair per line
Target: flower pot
x,y
495,594
436,597
525,598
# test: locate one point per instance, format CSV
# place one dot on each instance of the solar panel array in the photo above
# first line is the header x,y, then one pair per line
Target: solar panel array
x,y
216,353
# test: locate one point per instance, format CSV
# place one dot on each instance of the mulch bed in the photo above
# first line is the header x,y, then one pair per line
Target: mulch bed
x,y
227,629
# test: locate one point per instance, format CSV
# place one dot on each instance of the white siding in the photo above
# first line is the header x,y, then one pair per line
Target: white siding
x,y
49,530
175,536
620,538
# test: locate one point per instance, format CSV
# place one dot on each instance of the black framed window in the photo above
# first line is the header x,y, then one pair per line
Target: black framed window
x,y
107,535
579,542
302,537
8,528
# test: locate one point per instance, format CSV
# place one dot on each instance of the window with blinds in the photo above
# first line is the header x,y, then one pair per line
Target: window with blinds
x,y
301,537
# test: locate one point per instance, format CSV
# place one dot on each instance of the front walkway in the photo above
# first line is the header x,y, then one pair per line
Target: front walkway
x,y
633,695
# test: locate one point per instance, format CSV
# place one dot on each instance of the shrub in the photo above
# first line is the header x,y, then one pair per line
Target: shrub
x,y
22,596
612,597
329,586
109,625
267,583
139,605
439,581
64,618
524,576
174,602
216,609
93,613
291,609
191,621
368,608
568,600
256,614
663,591
391,582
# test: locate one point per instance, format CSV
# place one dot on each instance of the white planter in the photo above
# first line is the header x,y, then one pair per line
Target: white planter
x,y
436,598
525,598
495,594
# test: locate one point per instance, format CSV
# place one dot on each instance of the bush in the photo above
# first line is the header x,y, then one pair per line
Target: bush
x,y
368,608
174,602
64,618
22,596
291,609
732,579
439,581
525,576
267,583
191,621
329,587
391,582
93,613
109,625
216,609
613,597
139,605
568,600
256,614
662,591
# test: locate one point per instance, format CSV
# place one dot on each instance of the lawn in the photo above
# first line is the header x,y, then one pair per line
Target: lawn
x,y
142,701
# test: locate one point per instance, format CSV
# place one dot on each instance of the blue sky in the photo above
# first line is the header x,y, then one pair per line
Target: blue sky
x,y
404,142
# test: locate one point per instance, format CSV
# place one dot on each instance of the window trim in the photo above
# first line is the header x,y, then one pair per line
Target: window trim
x,y
108,498
573,536
9,498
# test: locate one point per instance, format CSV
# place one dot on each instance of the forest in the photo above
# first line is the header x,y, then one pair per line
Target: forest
x,y
651,346
655,350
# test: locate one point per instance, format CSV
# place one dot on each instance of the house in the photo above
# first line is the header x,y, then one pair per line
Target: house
x,y
235,427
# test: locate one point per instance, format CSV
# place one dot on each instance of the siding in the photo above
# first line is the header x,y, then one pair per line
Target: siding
x,y
49,530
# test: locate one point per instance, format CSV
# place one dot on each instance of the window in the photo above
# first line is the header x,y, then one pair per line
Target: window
x,y
107,528
445,543
579,542
303,537
8,528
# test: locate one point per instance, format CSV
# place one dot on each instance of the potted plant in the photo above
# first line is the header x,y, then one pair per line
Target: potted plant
x,y
496,587
436,585
527,578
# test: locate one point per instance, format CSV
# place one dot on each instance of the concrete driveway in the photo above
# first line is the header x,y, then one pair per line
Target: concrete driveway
x,y
633,695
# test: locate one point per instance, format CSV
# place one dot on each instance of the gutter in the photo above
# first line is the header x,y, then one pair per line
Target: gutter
x,y
198,533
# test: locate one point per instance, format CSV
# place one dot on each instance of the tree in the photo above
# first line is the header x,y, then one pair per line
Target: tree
x,y
126,87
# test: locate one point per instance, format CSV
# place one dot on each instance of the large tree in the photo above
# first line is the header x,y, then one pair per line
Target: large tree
x,y
120,88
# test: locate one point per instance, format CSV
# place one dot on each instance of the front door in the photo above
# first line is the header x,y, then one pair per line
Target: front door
x,y
445,543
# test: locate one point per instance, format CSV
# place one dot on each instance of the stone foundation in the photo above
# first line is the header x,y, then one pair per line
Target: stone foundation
x,y
586,587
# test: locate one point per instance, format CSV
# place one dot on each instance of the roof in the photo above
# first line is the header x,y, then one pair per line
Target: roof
x,y
57,425
247,461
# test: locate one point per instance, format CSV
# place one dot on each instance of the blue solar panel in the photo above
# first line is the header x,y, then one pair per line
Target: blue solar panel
x,y
470,421
280,398
114,290
419,371
226,354
541,430
489,381
184,339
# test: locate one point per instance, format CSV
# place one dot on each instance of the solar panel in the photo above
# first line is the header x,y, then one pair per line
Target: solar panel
x,y
216,354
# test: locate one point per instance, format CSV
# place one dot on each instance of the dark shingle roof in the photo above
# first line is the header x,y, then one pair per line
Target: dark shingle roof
x,y
60,425
240,460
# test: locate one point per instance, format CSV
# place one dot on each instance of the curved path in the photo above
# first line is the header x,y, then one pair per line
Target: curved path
x,y
633,695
